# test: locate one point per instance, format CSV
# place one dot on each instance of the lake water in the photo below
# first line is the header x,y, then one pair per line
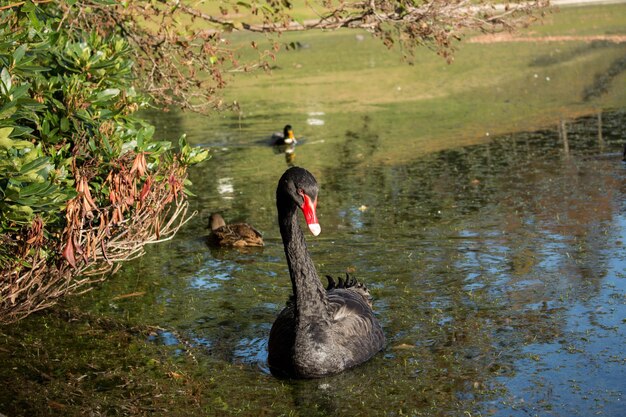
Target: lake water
x,y
497,272
496,260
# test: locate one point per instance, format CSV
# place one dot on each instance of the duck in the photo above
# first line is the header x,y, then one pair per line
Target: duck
x,y
322,331
237,235
285,138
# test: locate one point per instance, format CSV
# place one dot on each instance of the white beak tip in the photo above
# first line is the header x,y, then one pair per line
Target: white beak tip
x,y
315,228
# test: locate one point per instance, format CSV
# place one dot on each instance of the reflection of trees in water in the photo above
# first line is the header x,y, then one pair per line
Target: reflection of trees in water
x,y
592,133
602,81
508,235
481,250
358,147
360,144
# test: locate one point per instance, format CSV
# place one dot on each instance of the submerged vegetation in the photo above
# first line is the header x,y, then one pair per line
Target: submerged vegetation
x,y
489,264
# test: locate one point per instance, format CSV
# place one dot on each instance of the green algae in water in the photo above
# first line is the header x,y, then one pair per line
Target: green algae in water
x,y
494,270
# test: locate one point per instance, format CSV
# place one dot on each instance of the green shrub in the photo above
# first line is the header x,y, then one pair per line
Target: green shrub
x,y
77,168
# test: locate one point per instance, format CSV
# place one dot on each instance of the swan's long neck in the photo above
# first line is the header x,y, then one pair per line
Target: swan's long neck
x,y
310,295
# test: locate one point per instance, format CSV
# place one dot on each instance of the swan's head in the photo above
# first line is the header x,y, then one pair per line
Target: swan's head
x,y
289,135
300,187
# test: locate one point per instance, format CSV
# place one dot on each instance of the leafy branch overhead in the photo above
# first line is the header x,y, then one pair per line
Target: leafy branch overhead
x,y
183,50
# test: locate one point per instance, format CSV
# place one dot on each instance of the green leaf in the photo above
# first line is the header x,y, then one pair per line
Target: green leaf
x,y
31,10
40,188
7,111
197,157
5,78
8,143
36,165
5,132
107,146
24,69
18,54
128,146
65,124
20,214
20,91
107,94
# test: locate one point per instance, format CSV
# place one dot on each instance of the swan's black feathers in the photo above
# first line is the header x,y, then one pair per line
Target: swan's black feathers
x,y
349,283
321,331
351,318
291,301
331,283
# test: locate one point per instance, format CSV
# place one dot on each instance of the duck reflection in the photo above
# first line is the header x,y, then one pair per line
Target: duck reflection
x,y
289,151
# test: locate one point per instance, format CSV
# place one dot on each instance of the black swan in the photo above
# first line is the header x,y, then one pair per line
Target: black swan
x,y
237,234
321,331
285,138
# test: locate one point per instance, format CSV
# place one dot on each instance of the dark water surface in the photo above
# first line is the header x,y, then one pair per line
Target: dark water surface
x,y
497,270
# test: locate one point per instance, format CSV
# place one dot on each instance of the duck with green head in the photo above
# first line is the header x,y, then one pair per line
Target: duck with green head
x,y
287,137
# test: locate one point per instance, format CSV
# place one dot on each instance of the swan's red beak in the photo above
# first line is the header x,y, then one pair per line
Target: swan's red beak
x,y
310,215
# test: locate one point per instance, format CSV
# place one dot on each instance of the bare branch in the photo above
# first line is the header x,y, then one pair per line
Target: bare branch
x,y
180,64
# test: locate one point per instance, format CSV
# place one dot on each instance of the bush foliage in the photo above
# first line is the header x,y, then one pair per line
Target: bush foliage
x,y
83,182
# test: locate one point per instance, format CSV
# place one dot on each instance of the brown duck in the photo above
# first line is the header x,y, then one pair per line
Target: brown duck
x,y
237,235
